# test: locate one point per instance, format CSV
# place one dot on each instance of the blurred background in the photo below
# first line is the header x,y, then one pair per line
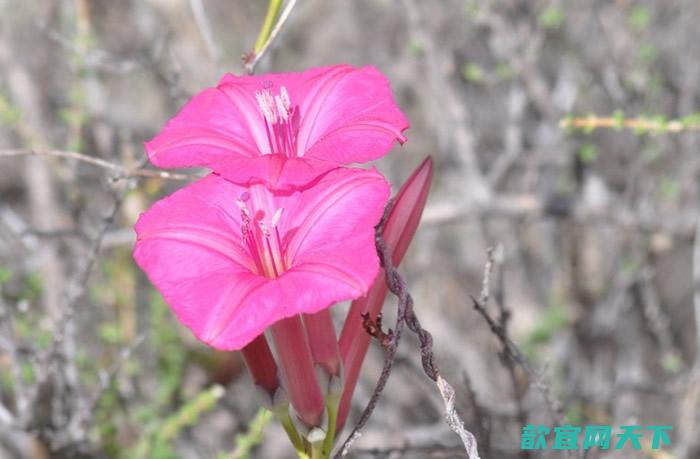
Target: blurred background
x,y
596,253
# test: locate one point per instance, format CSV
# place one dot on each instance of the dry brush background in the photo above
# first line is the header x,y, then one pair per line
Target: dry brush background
x,y
595,235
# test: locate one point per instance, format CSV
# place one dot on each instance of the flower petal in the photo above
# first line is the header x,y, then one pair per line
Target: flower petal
x,y
296,291
330,228
210,128
348,115
189,245
277,172
332,224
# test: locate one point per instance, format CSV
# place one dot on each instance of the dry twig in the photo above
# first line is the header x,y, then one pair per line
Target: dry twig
x,y
119,171
406,316
510,348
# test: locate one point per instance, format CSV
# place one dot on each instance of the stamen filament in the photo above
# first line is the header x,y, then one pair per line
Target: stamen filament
x,y
264,247
272,258
278,114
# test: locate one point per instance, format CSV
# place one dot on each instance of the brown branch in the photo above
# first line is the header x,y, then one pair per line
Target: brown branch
x,y
390,340
510,349
120,172
504,315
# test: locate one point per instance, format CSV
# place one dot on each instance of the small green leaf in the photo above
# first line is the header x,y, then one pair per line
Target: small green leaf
x,y
5,274
639,18
588,153
672,363
591,127
472,72
471,8
551,18
416,48
110,333
253,436
552,320
9,114
619,117
691,120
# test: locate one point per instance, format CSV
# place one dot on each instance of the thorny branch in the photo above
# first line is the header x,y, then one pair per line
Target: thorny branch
x,y
390,341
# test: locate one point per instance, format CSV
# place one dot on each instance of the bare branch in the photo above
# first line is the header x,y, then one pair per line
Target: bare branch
x,y
510,348
390,340
119,171
453,419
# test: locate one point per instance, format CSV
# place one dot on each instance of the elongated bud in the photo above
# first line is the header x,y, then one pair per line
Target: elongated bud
x,y
323,343
261,364
398,232
298,372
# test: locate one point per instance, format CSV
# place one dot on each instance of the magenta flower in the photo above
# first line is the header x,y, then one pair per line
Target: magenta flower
x,y
231,260
283,129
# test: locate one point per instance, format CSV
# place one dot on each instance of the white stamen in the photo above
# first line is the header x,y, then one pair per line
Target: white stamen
x,y
241,205
281,110
270,101
276,217
263,229
265,107
285,99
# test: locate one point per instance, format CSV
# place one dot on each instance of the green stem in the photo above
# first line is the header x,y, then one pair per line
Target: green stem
x,y
273,10
332,404
286,420
317,451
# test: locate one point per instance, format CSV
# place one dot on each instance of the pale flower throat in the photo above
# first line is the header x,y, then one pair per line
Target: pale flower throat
x,y
260,237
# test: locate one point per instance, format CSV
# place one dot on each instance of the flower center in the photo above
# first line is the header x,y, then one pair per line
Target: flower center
x,y
281,120
262,238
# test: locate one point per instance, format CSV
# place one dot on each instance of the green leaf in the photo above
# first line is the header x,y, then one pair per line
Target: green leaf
x,y
588,153
551,18
619,117
254,435
5,274
472,72
639,18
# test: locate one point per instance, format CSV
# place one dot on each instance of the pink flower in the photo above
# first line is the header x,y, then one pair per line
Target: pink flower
x,y
231,260
283,129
